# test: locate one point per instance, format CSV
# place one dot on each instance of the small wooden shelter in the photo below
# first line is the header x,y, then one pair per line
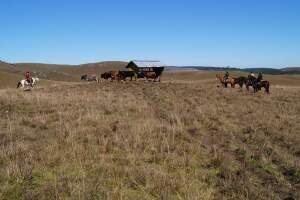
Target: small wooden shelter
x,y
146,66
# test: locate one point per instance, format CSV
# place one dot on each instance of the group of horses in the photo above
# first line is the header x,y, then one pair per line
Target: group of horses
x,y
119,75
247,81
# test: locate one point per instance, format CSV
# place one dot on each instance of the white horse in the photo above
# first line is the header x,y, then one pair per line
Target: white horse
x,y
24,83
35,81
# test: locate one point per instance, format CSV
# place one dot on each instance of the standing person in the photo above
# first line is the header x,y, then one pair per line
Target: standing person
x,y
28,78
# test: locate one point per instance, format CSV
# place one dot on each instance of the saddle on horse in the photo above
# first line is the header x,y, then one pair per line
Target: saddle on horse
x,y
29,81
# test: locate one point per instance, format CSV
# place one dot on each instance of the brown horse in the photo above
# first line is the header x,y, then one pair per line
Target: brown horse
x,y
264,84
150,75
112,75
225,83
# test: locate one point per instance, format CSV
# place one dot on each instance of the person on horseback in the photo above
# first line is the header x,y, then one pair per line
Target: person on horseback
x,y
251,79
260,77
226,76
28,78
251,76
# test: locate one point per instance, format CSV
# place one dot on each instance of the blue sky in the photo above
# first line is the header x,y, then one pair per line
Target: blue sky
x,y
240,33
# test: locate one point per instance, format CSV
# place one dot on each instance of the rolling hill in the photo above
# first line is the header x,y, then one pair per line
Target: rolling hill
x,y
60,72
6,67
291,69
10,74
70,73
273,71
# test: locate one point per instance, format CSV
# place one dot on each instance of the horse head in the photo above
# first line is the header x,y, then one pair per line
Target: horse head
x,y
83,77
35,80
219,77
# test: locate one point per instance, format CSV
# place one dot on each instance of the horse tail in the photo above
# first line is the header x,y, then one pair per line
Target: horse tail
x,y
19,84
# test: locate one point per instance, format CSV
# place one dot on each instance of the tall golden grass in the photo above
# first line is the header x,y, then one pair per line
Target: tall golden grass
x,y
149,141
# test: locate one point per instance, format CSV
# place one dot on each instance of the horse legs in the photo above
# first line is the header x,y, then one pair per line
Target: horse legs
x,y
241,85
256,88
259,86
232,82
267,87
247,86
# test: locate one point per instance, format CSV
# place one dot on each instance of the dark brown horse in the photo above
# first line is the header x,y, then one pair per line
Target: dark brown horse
x,y
264,84
257,85
123,75
149,75
112,75
240,81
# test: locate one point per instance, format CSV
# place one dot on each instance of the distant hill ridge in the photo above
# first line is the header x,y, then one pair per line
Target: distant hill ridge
x,y
7,67
61,71
53,70
273,71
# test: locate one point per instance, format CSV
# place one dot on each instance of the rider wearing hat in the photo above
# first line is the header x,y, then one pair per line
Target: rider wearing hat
x,y
252,78
226,76
28,78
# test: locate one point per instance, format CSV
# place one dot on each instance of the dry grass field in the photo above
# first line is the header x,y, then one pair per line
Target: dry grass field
x,y
183,138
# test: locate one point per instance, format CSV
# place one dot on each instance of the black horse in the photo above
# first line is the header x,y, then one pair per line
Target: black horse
x,y
240,81
155,74
257,84
106,75
123,75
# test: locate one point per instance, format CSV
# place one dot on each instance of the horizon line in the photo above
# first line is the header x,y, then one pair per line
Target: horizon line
x,y
127,61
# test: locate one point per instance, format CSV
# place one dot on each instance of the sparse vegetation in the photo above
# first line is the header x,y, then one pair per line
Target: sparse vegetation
x,y
173,140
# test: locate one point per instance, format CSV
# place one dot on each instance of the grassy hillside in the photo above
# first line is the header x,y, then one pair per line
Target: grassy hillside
x,y
295,70
58,72
5,67
68,72
72,73
270,71
173,140
9,80
264,70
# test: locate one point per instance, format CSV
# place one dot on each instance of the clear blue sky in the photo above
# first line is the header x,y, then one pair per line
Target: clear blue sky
x,y
246,33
